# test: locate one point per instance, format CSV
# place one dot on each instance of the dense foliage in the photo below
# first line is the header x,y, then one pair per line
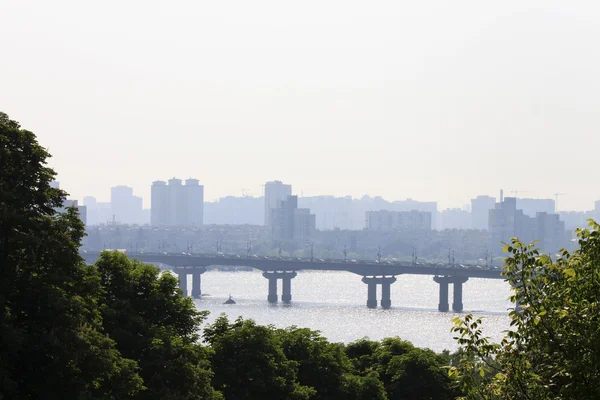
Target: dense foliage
x,y
552,350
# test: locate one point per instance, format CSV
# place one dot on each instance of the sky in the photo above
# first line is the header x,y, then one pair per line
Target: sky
x,y
434,100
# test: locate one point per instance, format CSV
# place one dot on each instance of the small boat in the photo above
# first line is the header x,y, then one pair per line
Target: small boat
x,y
230,300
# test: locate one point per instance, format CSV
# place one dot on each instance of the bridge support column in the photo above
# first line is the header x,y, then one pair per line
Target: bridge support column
x,y
386,300
272,296
286,278
372,282
182,274
286,296
457,304
443,281
197,281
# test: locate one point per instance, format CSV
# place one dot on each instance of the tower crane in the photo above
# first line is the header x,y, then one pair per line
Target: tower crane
x,y
556,200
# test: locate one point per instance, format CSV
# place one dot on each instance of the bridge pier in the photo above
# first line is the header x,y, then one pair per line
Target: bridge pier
x,y
286,278
385,282
182,274
457,282
443,281
371,294
197,281
386,300
196,272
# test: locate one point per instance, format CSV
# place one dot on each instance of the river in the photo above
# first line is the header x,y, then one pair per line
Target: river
x,y
335,304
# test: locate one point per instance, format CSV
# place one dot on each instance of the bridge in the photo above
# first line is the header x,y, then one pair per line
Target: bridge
x,y
285,269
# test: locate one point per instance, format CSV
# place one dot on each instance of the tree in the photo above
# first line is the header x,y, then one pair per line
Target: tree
x,y
249,362
322,366
552,349
52,345
407,372
153,324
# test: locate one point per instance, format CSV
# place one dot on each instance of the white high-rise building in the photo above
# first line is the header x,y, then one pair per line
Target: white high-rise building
x,y
174,204
126,208
275,193
194,202
480,211
159,209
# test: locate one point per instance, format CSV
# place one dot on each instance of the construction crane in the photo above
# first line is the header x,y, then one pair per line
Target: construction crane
x,y
556,200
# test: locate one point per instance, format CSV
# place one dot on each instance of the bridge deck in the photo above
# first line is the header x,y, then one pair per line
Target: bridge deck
x,y
281,264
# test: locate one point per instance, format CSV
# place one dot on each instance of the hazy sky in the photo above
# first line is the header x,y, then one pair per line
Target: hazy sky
x,y
432,100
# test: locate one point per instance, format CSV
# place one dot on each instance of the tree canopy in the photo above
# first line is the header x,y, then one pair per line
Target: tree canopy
x,y
52,341
552,349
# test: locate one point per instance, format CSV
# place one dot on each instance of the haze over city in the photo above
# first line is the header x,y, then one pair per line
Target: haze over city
x,y
432,101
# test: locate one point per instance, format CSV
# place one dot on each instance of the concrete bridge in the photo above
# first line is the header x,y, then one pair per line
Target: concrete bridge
x,y
277,268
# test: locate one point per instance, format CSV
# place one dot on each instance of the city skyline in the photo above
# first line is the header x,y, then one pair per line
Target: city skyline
x,y
422,100
246,191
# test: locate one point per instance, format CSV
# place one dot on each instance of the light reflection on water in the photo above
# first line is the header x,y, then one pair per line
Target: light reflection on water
x,y
335,304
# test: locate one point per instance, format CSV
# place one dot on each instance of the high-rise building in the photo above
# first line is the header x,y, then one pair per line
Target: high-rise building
x,y
389,221
159,200
275,193
507,221
55,184
126,208
410,205
174,204
194,202
531,207
454,218
480,211
290,223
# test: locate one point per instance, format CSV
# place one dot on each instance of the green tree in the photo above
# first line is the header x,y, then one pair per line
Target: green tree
x,y
51,340
321,365
552,349
249,362
407,372
153,324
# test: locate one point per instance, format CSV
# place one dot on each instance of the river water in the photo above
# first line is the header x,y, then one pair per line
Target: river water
x,y
335,304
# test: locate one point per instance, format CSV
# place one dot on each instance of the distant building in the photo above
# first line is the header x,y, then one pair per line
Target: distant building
x,y
232,210
55,184
290,223
159,200
275,193
126,208
333,212
480,211
174,204
531,207
454,218
575,219
193,194
389,221
424,206
506,221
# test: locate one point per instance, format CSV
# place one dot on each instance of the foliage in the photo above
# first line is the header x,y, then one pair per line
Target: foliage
x,y
52,344
552,349
249,362
152,323
407,372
